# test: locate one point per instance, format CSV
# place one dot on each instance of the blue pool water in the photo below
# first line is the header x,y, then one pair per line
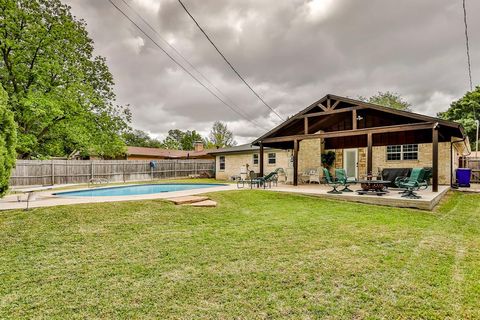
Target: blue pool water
x,y
135,190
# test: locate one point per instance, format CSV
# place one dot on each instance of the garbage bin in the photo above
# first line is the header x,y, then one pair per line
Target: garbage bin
x,y
463,177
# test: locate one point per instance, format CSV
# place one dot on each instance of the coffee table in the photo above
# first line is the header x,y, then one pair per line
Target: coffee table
x,y
378,187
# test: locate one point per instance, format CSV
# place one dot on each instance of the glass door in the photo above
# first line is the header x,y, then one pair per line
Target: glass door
x,y
350,160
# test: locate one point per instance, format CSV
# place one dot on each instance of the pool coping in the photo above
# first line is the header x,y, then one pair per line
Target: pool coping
x,y
49,199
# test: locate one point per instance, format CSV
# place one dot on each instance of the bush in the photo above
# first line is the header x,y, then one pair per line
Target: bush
x,y
8,138
328,159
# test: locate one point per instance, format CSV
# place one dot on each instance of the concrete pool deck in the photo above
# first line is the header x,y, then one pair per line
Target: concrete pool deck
x,y
48,199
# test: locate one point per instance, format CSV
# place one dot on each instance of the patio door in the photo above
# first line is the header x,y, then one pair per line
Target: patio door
x,y
350,161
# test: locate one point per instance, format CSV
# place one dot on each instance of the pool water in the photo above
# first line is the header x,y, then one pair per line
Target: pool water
x,y
135,190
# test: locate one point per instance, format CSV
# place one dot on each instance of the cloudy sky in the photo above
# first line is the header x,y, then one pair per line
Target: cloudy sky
x,y
292,52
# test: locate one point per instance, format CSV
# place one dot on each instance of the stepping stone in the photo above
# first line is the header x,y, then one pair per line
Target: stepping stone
x,y
204,204
187,199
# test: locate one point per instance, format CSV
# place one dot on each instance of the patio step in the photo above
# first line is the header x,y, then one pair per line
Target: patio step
x,y
203,204
187,199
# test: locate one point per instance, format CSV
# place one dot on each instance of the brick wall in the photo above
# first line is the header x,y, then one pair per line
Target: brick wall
x,y
309,155
235,161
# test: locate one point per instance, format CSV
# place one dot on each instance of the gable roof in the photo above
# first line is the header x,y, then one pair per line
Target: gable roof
x,y
236,149
365,105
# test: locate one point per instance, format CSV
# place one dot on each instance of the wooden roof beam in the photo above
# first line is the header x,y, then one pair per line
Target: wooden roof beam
x,y
349,133
327,112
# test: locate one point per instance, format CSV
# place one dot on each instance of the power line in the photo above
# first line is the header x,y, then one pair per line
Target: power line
x,y
181,66
228,62
183,57
467,45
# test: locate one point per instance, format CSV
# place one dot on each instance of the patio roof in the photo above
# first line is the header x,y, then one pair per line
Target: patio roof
x,y
347,123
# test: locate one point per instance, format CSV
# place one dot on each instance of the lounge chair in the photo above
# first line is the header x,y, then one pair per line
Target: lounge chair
x,y
341,177
413,183
251,180
331,182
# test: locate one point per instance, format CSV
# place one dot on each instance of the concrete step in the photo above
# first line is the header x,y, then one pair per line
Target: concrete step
x,y
204,204
187,199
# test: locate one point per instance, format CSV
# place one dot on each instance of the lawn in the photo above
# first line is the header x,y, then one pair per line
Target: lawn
x,y
259,254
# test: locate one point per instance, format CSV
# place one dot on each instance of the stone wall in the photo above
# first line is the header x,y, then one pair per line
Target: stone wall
x,y
309,155
235,161
424,160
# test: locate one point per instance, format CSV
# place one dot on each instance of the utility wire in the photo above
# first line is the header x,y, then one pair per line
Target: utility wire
x,y
467,45
183,57
228,62
181,66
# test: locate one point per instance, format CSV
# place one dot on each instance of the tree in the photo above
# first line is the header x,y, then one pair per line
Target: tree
x,y
60,93
139,138
465,111
220,136
8,135
388,99
181,140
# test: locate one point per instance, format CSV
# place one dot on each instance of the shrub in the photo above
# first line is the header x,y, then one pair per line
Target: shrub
x,y
8,138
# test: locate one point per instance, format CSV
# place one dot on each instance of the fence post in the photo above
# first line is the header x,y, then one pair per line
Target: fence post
x,y
123,172
175,168
53,173
91,169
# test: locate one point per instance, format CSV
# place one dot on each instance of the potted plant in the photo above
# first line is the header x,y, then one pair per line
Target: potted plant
x,y
328,159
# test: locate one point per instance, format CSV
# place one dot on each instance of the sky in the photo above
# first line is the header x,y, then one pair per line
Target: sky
x,y
292,52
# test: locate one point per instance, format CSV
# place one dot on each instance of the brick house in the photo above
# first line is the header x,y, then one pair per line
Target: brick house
x,y
142,153
366,138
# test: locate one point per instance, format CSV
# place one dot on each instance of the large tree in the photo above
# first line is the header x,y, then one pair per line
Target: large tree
x,y
465,111
389,99
220,136
61,94
139,138
8,134
181,140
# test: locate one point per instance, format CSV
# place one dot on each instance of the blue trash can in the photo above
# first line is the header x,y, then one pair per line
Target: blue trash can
x,y
463,177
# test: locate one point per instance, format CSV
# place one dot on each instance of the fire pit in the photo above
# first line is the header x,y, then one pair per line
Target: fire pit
x,y
378,187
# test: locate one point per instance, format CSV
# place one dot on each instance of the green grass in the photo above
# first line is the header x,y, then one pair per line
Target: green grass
x,y
259,254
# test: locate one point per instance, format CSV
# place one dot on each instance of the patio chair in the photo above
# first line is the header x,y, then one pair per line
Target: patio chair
x,y
314,176
251,180
413,183
331,182
304,177
270,178
341,177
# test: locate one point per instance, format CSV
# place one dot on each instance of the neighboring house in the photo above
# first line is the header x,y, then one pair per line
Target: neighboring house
x,y
366,138
232,161
142,153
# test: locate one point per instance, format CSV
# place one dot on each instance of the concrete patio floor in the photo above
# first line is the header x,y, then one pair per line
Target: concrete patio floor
x,y
428,201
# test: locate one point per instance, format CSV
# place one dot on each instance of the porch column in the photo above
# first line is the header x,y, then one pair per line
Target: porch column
x,y
435,158
260,159
369,153
295,162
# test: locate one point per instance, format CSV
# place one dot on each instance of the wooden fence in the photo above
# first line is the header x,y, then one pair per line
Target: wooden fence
x,y
474,164
49,172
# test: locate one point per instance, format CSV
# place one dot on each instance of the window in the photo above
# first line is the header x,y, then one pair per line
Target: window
x,y
255,159
221,161
402,152
272,158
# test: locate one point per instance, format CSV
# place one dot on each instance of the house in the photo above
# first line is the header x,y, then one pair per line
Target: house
x,y
366,138
142,153
230,162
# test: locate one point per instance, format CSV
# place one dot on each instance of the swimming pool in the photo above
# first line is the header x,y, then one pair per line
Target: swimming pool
x,y
136,190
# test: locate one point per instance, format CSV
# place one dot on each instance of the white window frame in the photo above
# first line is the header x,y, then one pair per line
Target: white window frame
x,y
220,162
274,158
255,157
404,149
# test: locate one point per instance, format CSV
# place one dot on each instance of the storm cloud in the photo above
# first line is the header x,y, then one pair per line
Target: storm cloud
x,y
292,52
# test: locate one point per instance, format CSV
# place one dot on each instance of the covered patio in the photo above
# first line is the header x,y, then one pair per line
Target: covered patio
x,y
342,123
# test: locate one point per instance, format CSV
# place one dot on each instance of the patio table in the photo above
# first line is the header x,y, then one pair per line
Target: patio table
x,y
378,187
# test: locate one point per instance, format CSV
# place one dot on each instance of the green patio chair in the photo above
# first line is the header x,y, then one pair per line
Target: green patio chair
x,y
413,183
331,182
341,177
